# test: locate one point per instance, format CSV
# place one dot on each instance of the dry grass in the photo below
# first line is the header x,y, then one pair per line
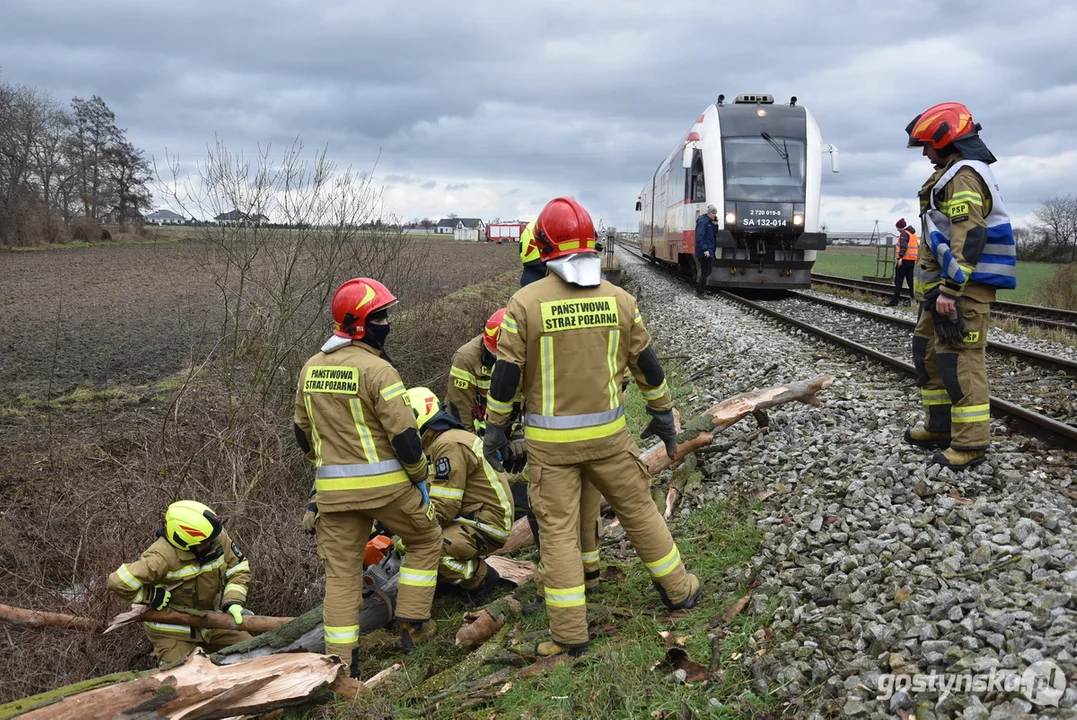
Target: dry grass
x,y
85,477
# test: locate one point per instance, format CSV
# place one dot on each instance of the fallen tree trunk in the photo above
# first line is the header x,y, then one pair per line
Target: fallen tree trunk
x,y
37,618
199,689
199,618
700,431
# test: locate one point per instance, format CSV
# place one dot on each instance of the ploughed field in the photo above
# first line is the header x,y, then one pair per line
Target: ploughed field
x,y
132,314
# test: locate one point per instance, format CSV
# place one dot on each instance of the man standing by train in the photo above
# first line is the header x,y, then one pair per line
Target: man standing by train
x,y
565,342
969,254
706,246
904,261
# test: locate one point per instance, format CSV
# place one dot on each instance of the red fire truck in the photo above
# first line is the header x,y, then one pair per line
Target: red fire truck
x,y
504,232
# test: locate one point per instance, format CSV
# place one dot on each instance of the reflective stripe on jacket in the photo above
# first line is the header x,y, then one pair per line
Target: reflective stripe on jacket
x,y
465,488
207,585
350,403
950,210
573,344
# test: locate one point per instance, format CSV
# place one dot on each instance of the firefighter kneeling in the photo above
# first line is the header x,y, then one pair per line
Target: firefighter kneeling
x,y
472,501
193,564
565,342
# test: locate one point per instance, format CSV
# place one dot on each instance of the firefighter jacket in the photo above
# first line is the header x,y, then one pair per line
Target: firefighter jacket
x,y
969,243
469,381
352,407
571,345
209,582
907,246
465,488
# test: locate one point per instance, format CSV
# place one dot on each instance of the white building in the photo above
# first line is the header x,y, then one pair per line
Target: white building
x,y
163,217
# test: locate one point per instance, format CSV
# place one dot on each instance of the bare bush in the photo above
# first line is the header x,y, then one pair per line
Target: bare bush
x,y
1061,289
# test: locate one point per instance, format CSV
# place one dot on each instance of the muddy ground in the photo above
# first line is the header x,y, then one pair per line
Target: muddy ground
x,y
110,315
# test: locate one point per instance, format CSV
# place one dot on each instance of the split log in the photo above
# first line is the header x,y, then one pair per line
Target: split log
x,y
520,536
700,431
200,689
197,618
515,571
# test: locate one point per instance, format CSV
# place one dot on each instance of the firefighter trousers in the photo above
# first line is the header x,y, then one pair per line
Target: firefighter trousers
x,y
342,539
953,380
556,492
172,643
590,531
464,549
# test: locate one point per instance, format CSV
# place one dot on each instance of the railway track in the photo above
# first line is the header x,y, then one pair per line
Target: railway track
x,y
1048,317
1033,387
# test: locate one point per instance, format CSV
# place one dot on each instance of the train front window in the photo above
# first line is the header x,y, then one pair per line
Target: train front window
x,y
764,168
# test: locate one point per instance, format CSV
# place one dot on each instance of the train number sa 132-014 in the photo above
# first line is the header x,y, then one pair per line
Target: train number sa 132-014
x,y
764,218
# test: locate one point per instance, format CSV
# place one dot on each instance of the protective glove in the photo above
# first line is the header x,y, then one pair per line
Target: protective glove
x,y
236,611
310,517
159,598
425,492
493,443
515,454
950,329
664,427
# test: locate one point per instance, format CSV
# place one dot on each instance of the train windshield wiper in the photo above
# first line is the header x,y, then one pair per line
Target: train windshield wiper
x,y
782,150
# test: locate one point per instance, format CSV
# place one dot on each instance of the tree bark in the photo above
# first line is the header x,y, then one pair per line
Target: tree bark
x,y
37,618
700,431
196,690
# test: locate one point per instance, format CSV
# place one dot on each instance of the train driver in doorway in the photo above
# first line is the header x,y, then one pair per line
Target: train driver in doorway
x,y
706,246
904,260
969,254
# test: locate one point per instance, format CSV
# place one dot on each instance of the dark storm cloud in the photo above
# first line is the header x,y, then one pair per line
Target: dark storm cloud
x,y
518,101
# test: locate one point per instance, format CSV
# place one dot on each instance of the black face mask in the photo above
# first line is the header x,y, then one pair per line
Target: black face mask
x,y
375,335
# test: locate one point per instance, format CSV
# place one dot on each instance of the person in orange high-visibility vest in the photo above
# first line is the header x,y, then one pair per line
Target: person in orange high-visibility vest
x,y
905,253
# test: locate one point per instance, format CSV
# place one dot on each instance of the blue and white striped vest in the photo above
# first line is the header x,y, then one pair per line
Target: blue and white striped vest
x,y
997,265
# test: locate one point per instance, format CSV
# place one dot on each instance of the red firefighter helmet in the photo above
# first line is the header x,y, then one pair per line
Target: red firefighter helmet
x,y
564,228
492,331
940,125
354,302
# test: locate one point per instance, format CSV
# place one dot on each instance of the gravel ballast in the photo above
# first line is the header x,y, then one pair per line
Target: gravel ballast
x,y
878,564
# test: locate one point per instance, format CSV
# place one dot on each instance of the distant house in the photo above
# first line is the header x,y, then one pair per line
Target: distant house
x,y
860,238
235,217
163,217
461,228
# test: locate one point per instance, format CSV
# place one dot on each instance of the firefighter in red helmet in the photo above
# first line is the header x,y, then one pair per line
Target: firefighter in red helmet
x,y
469,375
565,342
967,254
353,420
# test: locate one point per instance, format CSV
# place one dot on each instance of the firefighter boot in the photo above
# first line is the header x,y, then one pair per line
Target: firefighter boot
x,y
958,460
549,648
922,437
487,586
696,589
412,634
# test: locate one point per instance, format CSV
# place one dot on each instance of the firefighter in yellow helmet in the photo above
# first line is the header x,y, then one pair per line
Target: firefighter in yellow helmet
x,y
192,564
968,253
534,267
353,420
565,341
472,501
469,376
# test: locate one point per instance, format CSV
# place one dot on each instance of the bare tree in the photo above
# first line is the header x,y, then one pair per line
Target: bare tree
x,y
95,132
1056,226
128,192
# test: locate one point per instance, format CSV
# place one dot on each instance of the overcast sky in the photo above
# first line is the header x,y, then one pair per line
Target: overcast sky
x,y
489,109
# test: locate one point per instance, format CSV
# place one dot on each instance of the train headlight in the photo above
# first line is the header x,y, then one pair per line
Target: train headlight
x,y
798,220
730,218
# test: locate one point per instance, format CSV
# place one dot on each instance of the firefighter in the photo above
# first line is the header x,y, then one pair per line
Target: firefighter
x,y
565,342
469,376
969,254
353,421
905,252
534,266
472,501
590,498
192,564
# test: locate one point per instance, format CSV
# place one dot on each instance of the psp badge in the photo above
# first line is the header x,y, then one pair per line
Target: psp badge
x,y
442,468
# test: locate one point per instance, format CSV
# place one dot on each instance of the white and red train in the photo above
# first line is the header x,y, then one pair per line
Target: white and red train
x,y
760,165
